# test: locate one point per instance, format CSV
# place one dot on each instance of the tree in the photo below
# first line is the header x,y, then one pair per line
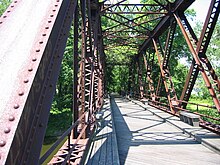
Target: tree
x,y
3,5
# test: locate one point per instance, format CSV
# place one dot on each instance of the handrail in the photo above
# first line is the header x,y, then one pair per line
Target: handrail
x,y
182,109
202,105
55,145
71,150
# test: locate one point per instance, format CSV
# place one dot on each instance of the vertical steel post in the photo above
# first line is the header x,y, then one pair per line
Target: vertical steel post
x,y
148,75
75,68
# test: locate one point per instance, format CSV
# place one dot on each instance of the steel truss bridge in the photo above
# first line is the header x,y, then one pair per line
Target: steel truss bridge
x,y
33,37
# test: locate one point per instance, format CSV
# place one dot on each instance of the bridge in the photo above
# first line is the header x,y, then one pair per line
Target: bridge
x,y
149,123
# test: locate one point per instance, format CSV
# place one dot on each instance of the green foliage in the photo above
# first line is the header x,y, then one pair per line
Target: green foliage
x,y
3,5
203,110
213,54
63,96
56,125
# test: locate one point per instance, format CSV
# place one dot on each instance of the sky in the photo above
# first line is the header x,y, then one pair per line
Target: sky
x,y
200,6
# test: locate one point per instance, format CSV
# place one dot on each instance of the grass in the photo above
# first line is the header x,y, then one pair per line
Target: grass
x,y
204,110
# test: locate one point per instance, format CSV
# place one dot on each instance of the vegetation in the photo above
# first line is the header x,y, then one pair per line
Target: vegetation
x,y
3,5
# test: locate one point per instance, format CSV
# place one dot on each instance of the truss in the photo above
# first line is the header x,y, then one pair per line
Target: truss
x,y
31,57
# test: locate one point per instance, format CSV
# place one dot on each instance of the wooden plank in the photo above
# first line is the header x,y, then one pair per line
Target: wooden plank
x,y
146,135
104,145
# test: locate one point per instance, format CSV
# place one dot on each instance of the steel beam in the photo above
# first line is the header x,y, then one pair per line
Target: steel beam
x,y
166,78
204,40
148,68
178,5
38,45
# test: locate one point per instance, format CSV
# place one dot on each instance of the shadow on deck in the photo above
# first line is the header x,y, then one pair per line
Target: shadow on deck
x,y
145,135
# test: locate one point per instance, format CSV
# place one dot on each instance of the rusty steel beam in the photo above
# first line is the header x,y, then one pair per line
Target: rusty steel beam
x,y
199,52
75,69
166,77
178,5
169,43
148,68
133,9
137,12
37,49
140,82
122,23
126,22
90,84
106,7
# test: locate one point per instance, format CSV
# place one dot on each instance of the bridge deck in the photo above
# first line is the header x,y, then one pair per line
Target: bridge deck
x,y
103,148
146,135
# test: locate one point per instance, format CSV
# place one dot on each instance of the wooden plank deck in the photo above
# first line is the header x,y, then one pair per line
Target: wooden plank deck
x,y
103,149
146,135
136,133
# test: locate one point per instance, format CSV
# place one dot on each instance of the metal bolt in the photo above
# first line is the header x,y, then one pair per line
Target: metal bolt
x,y
16,106
11,118
2,143
34,59
26,81
30,69
7,130
21,93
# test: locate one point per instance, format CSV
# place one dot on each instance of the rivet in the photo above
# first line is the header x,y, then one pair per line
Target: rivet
x,y
41,42
34,59
2,143
26,81
38,50
30,69
44,34
16,106
47,27
7,130
21,93
11,118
